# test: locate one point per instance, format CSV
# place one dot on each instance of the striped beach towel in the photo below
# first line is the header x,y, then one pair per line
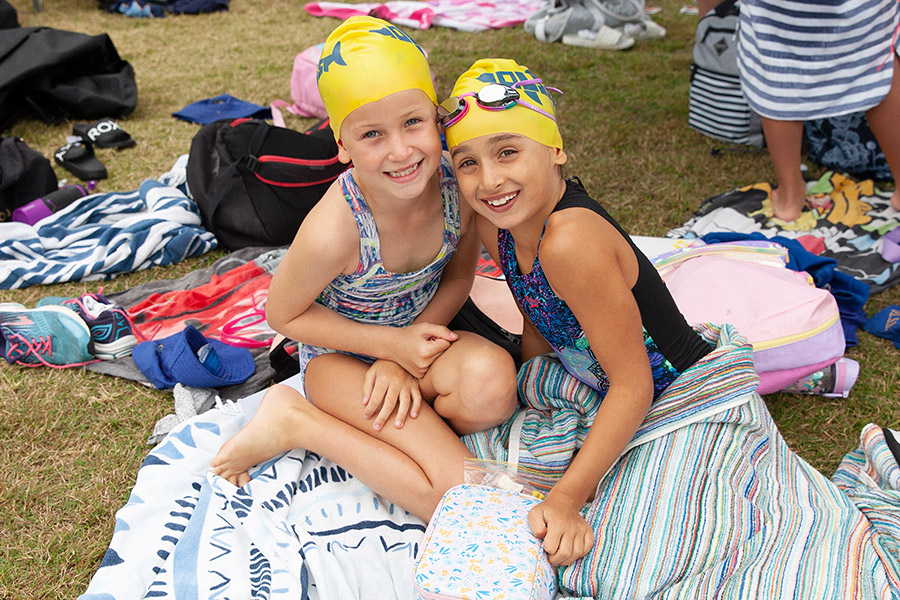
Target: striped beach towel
x,y
708,501
104,235
559,409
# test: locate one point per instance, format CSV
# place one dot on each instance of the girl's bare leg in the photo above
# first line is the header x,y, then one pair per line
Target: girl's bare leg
x,y
411,467
885,122
785,140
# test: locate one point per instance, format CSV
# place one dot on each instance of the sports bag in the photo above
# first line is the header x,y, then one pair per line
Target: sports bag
x,y
478,545
59,75
254,183
716,105
25,174
846,144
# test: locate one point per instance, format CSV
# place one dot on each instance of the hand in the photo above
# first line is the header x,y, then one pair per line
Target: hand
x,y
567,537
388,386
418,345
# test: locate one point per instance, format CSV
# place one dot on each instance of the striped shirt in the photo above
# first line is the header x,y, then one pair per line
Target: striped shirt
x,y
807,59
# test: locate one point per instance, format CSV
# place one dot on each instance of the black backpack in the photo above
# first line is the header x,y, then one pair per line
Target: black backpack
x,y
716,105
25,174
254,183
9,18
847,144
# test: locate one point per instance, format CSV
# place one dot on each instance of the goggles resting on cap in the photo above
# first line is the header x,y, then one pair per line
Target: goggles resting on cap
x,y
493,96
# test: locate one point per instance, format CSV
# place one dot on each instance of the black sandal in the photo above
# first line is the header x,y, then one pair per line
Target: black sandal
x,y
105,133
78,158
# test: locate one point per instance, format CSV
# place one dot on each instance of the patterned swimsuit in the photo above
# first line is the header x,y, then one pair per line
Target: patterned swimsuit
x,y
373,294
555,321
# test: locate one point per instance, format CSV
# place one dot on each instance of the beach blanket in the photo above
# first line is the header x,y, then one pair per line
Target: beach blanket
x,y
464,15
104,235
846,221
708,502
302,529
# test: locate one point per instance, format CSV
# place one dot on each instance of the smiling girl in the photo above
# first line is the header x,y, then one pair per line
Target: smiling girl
x,y
587,292
376,271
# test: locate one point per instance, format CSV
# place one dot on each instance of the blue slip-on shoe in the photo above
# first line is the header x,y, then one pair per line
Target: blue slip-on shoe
x,y
886,324
54,336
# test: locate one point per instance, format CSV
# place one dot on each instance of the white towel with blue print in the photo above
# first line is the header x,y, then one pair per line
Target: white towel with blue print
x,y
303,528
104,235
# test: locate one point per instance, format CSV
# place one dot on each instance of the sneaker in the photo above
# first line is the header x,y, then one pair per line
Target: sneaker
x,y
108,322
54,336
605,38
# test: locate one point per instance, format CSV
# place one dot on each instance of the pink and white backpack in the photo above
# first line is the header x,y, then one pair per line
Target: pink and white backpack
x,y
304,92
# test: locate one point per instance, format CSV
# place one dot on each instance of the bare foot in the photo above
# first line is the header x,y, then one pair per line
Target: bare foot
x,y
790,206
273,430
895,200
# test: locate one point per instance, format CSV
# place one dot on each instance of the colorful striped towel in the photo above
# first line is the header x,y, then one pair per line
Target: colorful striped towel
x,y
708,501
559,409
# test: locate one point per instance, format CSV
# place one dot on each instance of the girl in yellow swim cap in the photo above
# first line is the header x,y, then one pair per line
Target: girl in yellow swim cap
x,y
588,293
376,272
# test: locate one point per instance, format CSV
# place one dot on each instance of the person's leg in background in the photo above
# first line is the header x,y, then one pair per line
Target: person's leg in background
x,y
884,120
785,141
704,6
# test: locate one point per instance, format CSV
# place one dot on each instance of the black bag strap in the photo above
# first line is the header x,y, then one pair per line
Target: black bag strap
x,y
289,171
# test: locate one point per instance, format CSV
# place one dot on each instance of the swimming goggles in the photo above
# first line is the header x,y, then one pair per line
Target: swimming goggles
x,y
493,96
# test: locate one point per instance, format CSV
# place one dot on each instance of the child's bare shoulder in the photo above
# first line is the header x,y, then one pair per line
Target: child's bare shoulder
x,y
579,231
329,231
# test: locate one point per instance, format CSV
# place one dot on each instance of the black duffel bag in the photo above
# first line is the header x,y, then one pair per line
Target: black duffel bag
x,y
255,183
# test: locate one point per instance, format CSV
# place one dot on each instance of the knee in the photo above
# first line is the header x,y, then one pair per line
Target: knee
x,y
489,384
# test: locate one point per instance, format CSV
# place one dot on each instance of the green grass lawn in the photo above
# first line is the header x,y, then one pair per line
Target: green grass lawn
x,y
72,441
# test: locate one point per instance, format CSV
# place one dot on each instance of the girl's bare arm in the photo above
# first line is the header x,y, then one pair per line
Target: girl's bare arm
x,y
592,268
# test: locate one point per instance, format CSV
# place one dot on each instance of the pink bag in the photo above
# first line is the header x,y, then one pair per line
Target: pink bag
x,y
794,327
304,90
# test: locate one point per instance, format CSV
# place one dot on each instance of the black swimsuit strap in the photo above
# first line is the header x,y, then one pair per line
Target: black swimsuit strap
x,y
661,317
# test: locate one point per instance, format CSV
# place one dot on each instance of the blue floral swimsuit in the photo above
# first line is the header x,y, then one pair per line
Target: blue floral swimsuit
x,y
555,321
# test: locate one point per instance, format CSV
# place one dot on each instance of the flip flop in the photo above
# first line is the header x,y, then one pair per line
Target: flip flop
x,y
77,157
105,133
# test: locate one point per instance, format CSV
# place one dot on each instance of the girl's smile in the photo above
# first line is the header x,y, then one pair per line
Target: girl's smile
x,y
502,202
403,175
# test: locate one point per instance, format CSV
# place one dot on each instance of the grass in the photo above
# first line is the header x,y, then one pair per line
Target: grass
x,y
72,441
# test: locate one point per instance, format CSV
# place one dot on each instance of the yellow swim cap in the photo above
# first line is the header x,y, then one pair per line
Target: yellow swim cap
x,y
364,60
521,119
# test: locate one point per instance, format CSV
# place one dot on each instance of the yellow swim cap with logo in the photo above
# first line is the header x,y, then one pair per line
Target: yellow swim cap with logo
x,y
364,60
532,116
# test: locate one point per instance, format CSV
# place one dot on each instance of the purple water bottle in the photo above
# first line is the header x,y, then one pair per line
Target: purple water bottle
x,y
50,203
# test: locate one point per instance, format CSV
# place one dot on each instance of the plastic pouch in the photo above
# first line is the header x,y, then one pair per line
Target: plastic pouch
x,y
502,475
